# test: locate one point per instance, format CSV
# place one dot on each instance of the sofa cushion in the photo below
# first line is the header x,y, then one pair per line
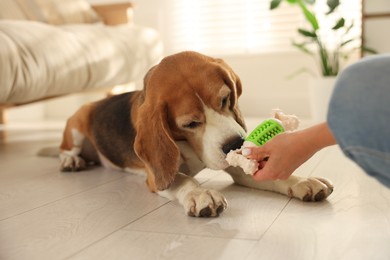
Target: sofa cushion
x,y
49,11
10,9
38,60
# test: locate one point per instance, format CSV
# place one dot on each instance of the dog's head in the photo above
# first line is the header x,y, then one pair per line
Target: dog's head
x,y
188,97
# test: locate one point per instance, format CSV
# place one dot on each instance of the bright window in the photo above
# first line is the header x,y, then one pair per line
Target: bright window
x,y
241,26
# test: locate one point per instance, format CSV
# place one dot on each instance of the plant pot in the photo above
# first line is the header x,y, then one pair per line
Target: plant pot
x,y
321,90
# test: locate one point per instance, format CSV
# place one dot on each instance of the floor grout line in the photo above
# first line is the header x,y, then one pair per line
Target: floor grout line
x,y
65,197
118,229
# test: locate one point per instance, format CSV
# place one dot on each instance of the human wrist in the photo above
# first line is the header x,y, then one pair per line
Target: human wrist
x,y
319,136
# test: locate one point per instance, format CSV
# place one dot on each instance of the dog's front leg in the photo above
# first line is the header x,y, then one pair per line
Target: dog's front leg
x,y
73,138
304,188
70,151
197,201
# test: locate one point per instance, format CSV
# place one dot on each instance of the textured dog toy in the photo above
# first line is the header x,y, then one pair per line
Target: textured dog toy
x,y
264,132
259,136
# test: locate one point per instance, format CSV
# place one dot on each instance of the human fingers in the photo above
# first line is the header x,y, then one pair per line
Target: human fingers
x,y
264,175
270,170
256,153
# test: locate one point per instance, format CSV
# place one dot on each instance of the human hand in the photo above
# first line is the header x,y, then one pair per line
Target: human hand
x,y
278,158
284,153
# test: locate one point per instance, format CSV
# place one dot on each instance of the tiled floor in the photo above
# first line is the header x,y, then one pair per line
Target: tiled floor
x,y
103,214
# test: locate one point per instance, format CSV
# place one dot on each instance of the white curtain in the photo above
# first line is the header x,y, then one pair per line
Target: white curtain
x,y
223,27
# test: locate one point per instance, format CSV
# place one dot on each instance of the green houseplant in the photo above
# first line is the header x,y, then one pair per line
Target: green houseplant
x,y
329,58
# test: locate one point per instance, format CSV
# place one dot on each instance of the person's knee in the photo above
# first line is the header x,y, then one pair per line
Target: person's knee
x,y
352,87
361,85
346,104
344,94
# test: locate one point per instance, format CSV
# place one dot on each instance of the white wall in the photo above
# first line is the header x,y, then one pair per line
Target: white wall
x,y
377,30
265,83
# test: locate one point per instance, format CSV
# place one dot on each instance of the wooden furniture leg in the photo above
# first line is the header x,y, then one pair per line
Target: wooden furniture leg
x,y
3,118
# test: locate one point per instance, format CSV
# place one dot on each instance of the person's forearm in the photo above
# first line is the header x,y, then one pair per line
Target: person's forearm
x,y
319,136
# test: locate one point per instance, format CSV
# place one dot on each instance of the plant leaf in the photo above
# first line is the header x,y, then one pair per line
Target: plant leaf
x,y
274,4
302,47
307,33
346,42
332,4
309,16
349,28
369,50
340,23
292,1
310,1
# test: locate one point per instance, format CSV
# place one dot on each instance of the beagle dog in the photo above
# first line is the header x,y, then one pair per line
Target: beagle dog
x,y
186,118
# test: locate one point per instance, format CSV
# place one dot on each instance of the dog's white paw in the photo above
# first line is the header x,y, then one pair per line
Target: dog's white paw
x,y
202,202
71,163
311,189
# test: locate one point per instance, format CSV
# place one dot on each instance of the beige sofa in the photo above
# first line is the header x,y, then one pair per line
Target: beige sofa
x,y
50,48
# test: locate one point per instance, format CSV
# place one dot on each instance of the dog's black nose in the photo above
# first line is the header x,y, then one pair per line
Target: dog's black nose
x,y
233,144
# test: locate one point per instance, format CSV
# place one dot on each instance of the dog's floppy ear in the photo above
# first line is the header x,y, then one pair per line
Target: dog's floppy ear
x,y
232,80
155,145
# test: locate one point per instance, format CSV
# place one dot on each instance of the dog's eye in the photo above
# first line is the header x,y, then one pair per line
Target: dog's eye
x,y
192,124
224,102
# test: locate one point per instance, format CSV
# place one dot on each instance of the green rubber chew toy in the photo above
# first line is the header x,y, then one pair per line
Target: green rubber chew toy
x,y
265,132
